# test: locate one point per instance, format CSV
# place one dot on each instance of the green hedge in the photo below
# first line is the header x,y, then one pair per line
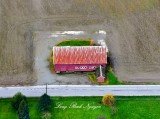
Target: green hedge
x,y
78,42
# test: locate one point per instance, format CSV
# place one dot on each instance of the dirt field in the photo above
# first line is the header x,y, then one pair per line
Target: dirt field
x,y
133,28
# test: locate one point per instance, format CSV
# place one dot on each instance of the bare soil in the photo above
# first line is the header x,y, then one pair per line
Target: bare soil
x,y
133,29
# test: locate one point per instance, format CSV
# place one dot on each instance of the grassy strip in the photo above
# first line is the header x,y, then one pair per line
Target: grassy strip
x,y
125,107
78,42
112,79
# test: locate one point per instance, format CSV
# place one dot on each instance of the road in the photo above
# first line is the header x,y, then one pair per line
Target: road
x,y
82,90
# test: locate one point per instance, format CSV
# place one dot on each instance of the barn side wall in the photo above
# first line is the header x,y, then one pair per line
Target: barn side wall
x,y
76,67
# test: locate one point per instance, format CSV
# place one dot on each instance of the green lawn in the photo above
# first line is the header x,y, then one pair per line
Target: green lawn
x,y
6,111
112,79
138,108
81,113
125,108
78,42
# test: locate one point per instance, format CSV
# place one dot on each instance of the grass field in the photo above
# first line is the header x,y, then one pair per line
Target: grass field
x,y
78,42
112,79
138,108
125,108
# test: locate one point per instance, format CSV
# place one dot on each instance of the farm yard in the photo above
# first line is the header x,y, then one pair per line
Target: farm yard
x,y
132,28
44,47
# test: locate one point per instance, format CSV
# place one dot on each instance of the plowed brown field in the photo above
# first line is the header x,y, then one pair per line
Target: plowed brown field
x,y
132,26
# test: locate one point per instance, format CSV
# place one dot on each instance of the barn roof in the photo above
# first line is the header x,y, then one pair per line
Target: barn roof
x,y
79,55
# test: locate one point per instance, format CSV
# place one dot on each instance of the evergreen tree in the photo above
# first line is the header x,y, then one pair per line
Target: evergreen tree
x,y
44,103
16,100
23,110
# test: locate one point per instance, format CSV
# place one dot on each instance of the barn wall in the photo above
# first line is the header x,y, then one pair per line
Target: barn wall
x,y
76,67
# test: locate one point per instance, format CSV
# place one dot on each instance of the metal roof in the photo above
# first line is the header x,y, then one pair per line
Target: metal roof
x,y
79,55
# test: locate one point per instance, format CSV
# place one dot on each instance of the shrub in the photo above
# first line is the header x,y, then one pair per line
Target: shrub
x,y
44,104
108,100
50,59
23,111
16,100
76,42
91,42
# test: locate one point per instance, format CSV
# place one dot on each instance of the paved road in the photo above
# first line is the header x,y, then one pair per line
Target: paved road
x,y
82,90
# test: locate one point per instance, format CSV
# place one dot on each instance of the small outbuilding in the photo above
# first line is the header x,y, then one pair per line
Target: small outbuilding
x,y
79,58
100,74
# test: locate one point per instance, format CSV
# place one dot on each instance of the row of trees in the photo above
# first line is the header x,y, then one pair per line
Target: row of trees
x,y
20,104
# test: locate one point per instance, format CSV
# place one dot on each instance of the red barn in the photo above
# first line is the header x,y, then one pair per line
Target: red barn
x,y
79,58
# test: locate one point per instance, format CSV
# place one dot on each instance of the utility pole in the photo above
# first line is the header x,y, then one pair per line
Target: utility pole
x,y
46,88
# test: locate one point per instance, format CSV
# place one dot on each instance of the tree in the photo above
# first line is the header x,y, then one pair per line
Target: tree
x,y
108,100
23,110
16,100
44,104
